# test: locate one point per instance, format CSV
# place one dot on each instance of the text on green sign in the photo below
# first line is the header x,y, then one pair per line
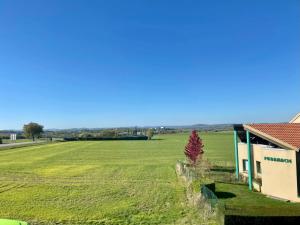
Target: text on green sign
x,y
278,159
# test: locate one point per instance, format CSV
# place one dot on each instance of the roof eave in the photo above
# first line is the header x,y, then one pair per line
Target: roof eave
x,y
270,138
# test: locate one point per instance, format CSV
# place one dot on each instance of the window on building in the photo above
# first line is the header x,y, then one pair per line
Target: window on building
x,y
258,167
245,164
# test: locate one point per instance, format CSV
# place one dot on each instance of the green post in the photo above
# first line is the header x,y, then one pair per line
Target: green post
x,y
249,161
236,154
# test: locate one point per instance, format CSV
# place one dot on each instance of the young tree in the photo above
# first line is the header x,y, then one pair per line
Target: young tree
x,y
32,130
194,148
150,133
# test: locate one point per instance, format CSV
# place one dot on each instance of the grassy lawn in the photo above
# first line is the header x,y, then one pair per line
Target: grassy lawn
x,y
100,182
240,201
218,147
8,141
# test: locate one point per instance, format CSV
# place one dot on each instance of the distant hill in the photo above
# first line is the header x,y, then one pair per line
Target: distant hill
x,y
203,127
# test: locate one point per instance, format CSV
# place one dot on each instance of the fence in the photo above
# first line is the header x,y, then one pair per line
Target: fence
x,y
209,196
210,205
215,205
257,220
183,169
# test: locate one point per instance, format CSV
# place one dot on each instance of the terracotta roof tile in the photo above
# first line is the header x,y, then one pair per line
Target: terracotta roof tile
x,y
286,132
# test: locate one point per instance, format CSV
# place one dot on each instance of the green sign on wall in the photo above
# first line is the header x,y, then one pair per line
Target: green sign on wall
x,y
278,159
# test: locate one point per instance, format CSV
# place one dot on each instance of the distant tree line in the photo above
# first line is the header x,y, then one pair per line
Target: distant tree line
x,y
92,133
34,130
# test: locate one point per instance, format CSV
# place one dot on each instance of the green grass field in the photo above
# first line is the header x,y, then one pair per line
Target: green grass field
x,y
108,182
243,202
111,182
8,141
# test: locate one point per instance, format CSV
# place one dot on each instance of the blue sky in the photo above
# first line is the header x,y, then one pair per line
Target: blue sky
x,y
124,63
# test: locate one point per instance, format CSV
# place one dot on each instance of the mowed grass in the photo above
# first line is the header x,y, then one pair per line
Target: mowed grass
x,y
8,141
99,182
240,201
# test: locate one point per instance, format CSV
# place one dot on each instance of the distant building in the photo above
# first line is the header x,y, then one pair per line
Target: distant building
x,y
268,157
13,137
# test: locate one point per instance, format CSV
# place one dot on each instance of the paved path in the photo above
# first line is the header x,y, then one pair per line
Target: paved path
x,y
20,143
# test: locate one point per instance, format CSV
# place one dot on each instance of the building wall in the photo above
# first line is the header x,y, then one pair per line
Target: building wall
x,y
279,179
256,156
242,154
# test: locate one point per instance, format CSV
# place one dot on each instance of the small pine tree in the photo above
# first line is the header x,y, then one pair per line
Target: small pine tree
x,y
194,148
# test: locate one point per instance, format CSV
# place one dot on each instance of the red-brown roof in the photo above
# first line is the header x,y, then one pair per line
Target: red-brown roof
x,y
287,134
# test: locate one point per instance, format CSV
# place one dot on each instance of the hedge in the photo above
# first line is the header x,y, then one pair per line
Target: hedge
x,y
257,220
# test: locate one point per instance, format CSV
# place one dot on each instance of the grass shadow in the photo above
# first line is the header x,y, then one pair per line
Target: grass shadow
x,y
223,169
224,195
231,182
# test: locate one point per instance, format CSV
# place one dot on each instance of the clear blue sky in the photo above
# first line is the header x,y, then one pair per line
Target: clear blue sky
x,y
118,63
